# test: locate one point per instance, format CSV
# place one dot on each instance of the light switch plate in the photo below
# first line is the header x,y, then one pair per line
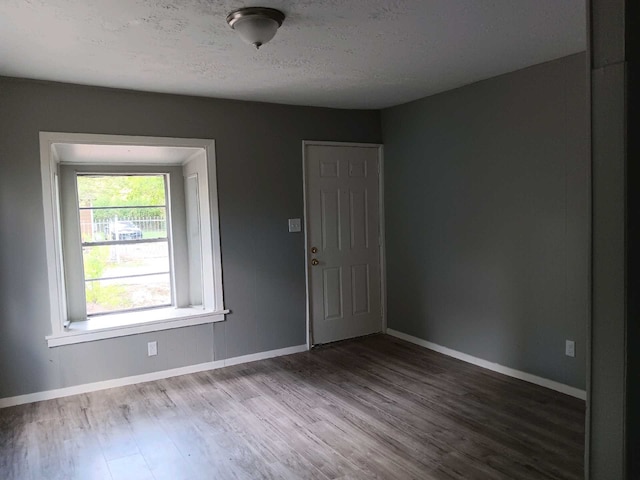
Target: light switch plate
x,y
295,225
570,348
152,349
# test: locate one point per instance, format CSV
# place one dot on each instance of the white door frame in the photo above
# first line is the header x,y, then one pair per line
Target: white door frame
x,y
383,262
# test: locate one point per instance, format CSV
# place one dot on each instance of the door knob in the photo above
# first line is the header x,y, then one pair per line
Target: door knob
x,y
314,262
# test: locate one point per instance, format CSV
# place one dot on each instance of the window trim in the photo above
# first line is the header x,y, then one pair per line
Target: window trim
x,y
158,319
201,160
71,230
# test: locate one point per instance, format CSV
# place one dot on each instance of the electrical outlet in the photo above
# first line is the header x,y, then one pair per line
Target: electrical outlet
x,y
570,348
152,349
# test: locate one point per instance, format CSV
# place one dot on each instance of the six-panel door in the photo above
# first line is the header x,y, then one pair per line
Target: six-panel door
x,y
343,223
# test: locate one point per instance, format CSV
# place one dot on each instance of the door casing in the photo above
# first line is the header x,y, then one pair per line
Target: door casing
x,y
383,280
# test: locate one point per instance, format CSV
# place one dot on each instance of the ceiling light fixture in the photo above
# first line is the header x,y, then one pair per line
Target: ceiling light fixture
x,y
256,25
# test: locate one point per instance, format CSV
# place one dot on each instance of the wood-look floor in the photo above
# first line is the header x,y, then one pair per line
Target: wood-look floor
x,y
374,407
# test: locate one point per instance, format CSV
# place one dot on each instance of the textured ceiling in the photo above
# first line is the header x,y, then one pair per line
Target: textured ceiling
x,y
347,54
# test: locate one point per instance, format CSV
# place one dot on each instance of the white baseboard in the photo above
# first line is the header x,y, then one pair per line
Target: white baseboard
x,y
511,372
146,377
264,355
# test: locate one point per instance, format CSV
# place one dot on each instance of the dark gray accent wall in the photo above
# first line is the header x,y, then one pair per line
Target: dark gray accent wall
x,y
259,165
487,197
606,435
632,49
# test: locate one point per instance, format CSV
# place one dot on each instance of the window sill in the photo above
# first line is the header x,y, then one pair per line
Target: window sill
x,y
123,324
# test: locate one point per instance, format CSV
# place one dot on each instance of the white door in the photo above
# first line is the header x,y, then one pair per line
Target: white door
x,y
343,241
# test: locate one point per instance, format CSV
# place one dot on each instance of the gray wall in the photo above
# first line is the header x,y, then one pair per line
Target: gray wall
x,y
259,165
487,219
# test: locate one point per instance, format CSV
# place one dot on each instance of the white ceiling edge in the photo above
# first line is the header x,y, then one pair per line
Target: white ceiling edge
x,y
367,54
341,106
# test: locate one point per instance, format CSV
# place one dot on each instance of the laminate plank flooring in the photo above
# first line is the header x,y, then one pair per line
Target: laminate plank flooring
x,y
373,407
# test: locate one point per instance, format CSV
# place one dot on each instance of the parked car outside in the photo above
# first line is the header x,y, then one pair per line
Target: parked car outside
x,y
123,230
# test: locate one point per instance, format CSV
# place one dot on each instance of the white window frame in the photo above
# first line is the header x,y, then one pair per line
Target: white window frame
x,y
200,164
72,244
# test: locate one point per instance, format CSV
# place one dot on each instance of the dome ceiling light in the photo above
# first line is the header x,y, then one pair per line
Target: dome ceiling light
x,y
256,25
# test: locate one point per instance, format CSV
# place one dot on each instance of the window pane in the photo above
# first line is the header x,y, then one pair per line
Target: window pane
x,y
122,207
121,190
127,293
108,261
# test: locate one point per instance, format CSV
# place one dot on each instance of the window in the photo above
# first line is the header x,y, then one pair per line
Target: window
x,y
132,235
125,246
